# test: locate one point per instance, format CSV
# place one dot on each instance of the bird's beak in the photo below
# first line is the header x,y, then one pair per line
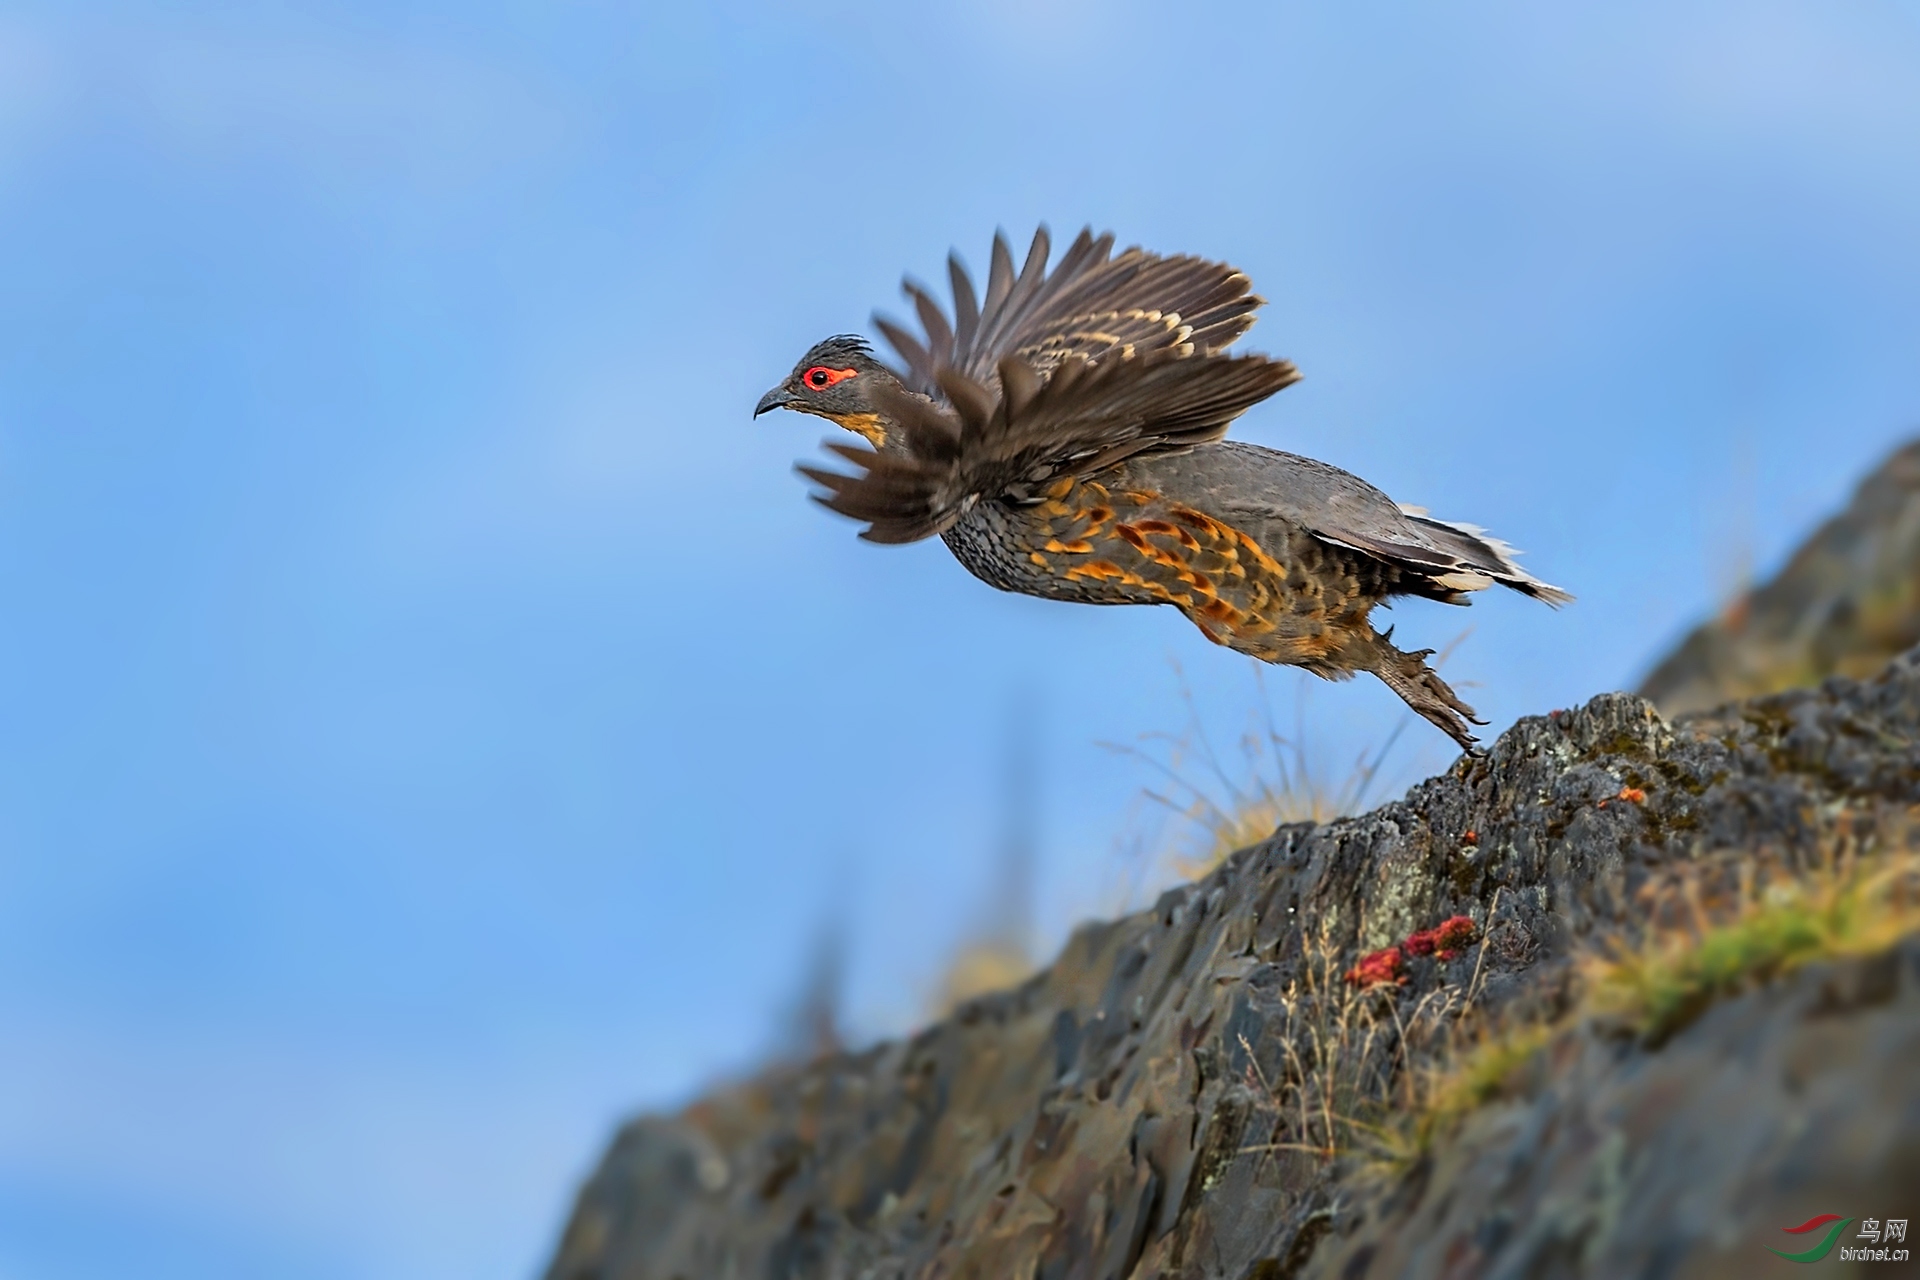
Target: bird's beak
x,y
778,398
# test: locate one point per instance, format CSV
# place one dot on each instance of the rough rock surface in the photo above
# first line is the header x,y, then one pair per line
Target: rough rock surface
x,y
1795,1099
1847,602
1123,1113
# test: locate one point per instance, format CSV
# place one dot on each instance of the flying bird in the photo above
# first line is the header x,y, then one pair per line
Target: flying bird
x,y
1063,436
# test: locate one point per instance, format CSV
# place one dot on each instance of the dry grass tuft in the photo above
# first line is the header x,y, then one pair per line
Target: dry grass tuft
x,y
1349,1054
978,968
1228,804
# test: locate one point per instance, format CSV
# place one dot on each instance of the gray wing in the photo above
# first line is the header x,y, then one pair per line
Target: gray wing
x,y
1249,485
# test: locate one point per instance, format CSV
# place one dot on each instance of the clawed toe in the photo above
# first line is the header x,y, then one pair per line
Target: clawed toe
x,y
1408,675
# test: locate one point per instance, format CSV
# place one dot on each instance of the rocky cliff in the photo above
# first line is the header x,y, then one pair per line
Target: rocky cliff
x,y
1283,1069
1845,604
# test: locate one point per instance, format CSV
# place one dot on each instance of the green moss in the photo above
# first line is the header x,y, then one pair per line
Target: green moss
x,y
1668,981
1487,1070
1621,744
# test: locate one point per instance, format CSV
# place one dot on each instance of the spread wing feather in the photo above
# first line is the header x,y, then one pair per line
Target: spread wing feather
x,y
973,444
1092,305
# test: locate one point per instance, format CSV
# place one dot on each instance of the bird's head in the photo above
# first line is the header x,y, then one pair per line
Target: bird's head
x,y
834,380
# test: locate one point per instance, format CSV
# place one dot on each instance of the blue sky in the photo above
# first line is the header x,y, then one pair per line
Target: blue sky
x,y
433,723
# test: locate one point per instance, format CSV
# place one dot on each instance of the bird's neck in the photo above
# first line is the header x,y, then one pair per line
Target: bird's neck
x,y
874,429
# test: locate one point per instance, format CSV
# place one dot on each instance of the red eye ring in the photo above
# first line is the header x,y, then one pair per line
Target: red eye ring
x,y
819,378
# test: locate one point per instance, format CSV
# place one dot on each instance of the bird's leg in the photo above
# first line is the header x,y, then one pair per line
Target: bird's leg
x,y
1408,675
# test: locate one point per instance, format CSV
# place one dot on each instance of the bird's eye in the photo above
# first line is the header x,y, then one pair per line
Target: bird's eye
x,y
820,377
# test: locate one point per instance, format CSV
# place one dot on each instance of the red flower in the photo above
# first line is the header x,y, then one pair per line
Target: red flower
x,y
1378,968
1472,837
1445,939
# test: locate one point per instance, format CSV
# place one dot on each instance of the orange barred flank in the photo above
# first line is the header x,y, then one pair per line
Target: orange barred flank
x,y
1223,580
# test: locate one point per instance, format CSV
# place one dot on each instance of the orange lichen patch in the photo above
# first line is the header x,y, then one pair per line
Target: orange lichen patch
x,y
1632,795
862,424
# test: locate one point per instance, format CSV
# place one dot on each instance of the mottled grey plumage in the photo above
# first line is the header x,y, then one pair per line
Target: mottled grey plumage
x,y
1063,438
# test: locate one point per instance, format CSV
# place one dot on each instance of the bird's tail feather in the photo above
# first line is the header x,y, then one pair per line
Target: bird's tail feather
x,y
1489,555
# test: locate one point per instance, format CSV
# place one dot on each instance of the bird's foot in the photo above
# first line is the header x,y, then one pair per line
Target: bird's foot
x,y
1421,687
